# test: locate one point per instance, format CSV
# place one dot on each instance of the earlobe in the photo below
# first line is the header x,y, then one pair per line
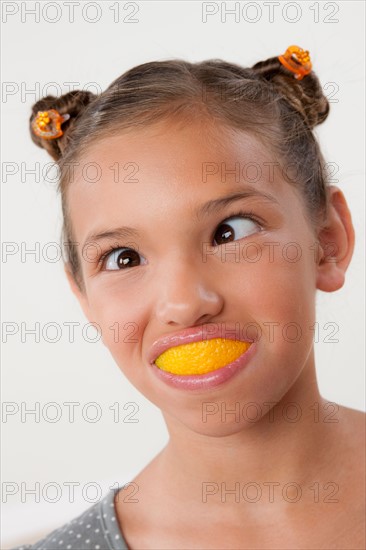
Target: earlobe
x,y
336,241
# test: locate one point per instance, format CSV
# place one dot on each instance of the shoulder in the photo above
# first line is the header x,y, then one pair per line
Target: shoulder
x,y
350,455
96,528
354,421
352,435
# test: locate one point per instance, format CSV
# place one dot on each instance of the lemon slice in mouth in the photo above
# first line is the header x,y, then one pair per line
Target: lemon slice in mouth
x,y
201,357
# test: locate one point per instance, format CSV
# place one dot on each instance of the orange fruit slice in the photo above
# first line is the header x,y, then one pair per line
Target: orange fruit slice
x,y
201,357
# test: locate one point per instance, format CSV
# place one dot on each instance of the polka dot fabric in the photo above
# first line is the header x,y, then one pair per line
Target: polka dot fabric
x,y
95,529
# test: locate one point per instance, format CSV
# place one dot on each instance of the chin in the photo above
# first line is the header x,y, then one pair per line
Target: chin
x,y
212,425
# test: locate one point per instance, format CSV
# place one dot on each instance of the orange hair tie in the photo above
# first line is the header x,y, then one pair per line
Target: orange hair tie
x,y
296,60
47,124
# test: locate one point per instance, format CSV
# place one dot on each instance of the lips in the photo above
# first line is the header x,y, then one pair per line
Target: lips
x,y
209,381
201,357
198,334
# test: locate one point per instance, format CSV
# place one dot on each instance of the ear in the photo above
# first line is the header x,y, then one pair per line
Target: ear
x,y
80,294
336,240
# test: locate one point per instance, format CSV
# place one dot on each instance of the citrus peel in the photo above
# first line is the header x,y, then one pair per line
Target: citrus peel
x,y
201,357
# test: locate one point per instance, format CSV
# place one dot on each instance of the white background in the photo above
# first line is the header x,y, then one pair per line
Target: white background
x,y
36,54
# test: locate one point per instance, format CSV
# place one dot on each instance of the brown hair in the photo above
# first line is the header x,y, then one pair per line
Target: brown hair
x,y
265,100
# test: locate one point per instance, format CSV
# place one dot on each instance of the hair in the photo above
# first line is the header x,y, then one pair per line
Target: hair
x,y
265,100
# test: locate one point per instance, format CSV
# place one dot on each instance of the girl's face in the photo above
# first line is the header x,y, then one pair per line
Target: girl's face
x,y
189,268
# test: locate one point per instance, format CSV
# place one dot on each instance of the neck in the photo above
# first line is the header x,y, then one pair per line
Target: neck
x,y
291,443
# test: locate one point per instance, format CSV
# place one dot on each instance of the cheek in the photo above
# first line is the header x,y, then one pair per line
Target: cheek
x,y
119,315
277,292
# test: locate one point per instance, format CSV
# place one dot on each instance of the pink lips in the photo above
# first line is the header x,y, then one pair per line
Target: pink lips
x,y
202,381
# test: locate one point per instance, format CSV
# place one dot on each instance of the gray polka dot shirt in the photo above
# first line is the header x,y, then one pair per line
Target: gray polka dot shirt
x,y
95,529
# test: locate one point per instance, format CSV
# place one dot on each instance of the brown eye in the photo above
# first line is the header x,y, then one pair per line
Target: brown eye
x,y
117,260
242,227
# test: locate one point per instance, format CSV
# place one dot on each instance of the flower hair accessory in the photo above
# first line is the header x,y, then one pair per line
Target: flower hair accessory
x,y
47,124
296,60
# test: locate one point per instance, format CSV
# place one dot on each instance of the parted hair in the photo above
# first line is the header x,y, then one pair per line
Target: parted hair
x,y
265,100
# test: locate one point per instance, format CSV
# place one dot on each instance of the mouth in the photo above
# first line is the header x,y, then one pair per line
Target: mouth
x,y
201,358
201,366
198,358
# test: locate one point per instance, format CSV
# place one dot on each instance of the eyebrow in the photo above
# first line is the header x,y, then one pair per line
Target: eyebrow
x,y
209,207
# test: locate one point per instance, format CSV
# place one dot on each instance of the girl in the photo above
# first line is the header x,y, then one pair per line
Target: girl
x,y
211,235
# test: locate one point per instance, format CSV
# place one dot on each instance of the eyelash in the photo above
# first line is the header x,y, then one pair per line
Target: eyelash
x,y
241,213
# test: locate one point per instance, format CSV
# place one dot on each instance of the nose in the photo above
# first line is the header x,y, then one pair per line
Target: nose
x,y
186,295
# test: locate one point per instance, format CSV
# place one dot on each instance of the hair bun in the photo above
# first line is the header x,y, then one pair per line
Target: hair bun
x,y
73,103
305,96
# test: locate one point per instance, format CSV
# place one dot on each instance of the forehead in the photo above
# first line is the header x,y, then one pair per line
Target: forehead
x,y
166,165
193,144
